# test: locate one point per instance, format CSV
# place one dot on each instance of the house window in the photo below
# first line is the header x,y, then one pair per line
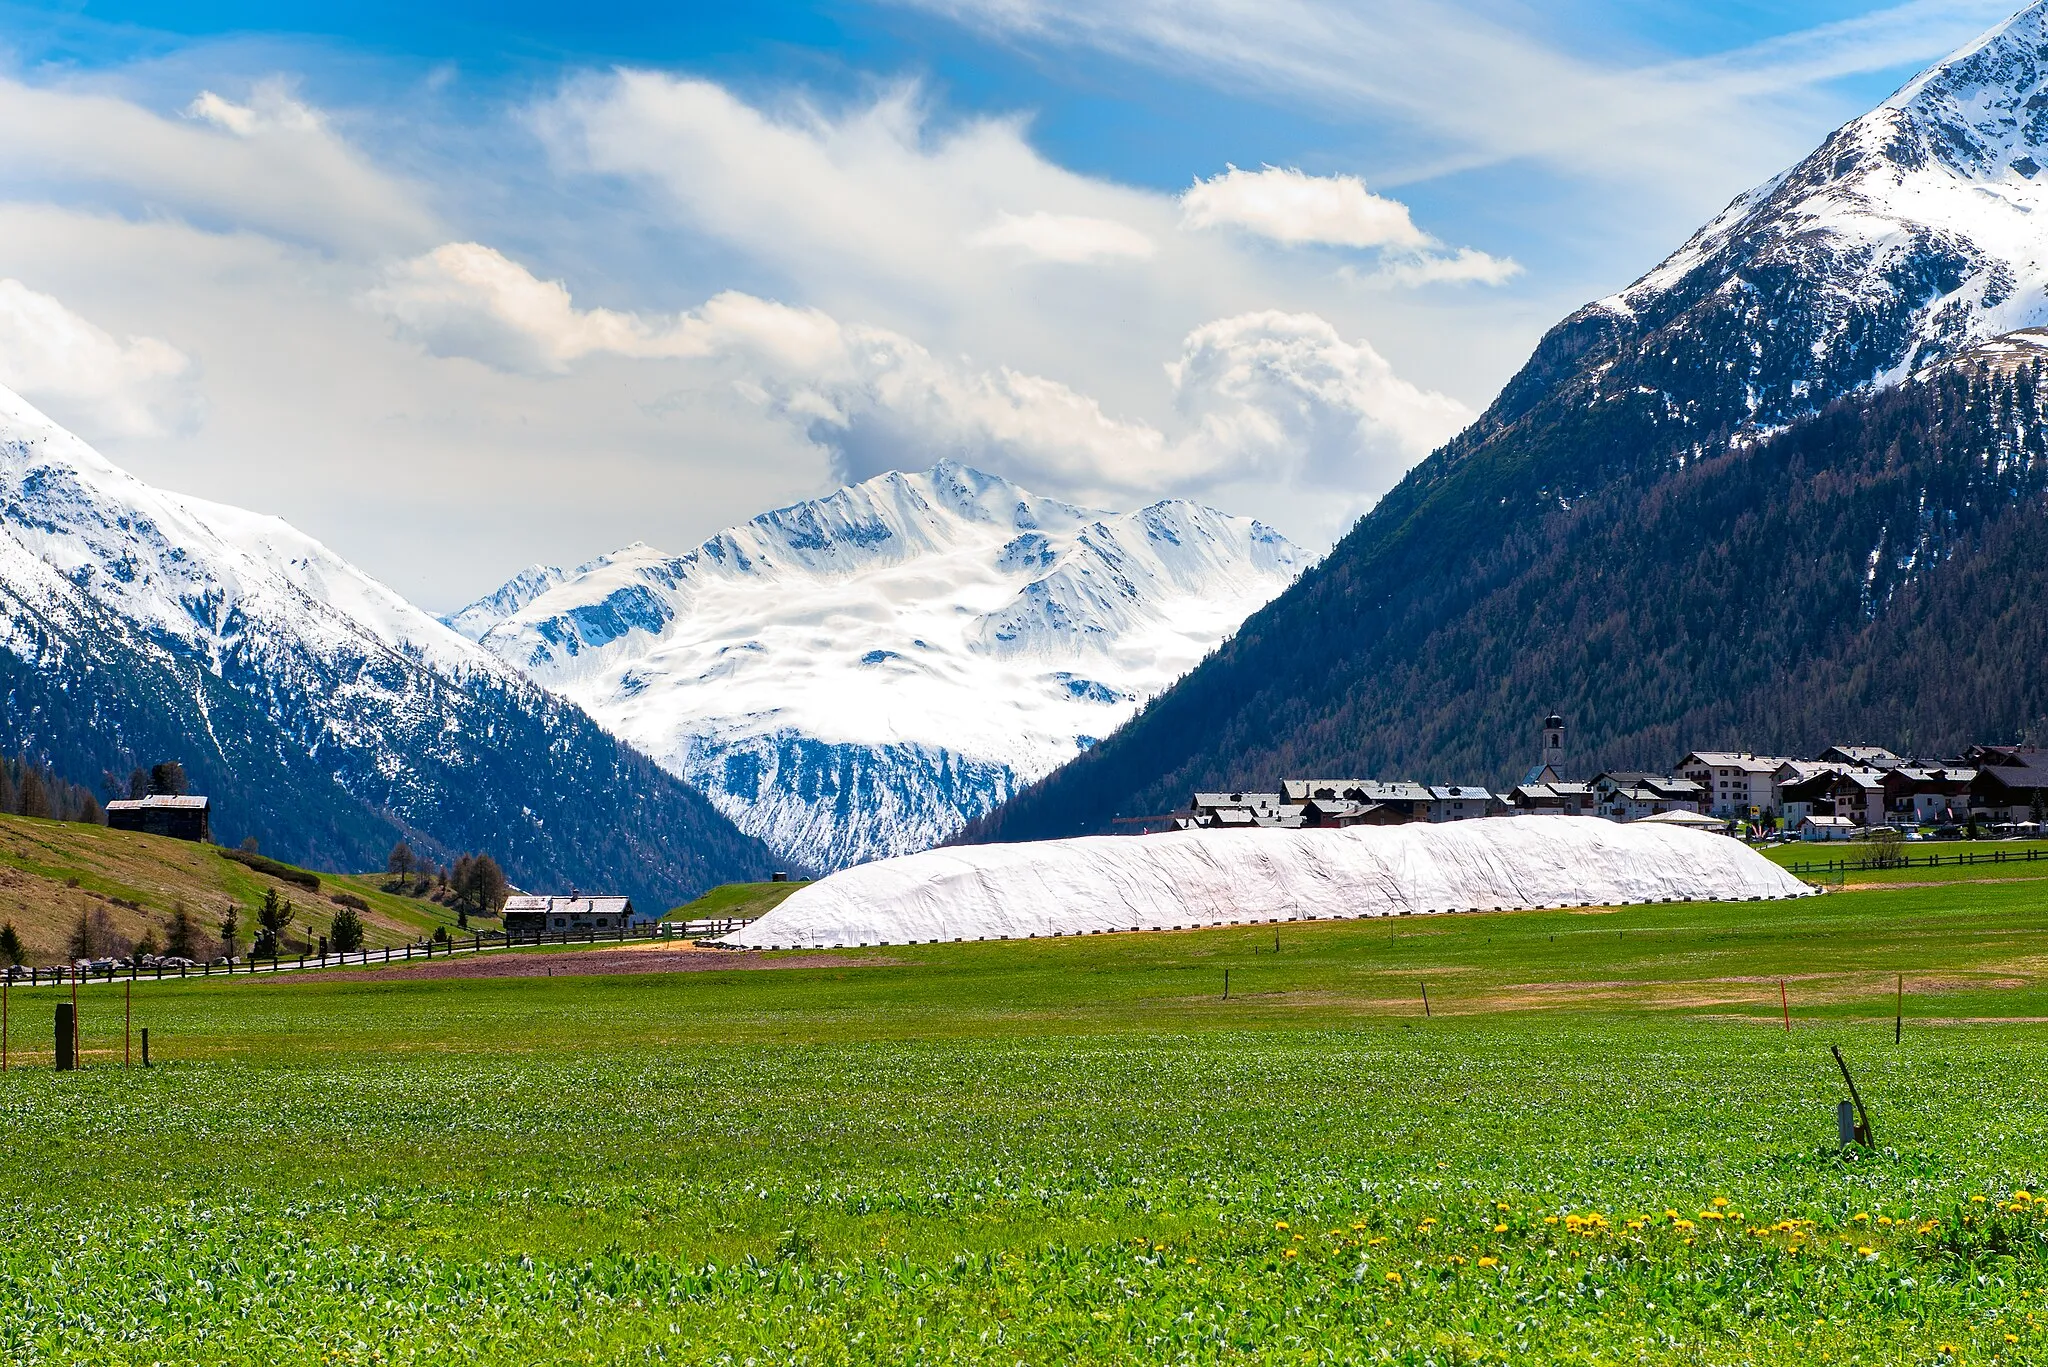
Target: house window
x,y
559,923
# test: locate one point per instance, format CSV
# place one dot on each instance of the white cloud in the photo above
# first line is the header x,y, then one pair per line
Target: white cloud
x,y
1485,84
271,108
1465,266
1293,207
272,165
104,385
465,299
1271,395
1068,238
1283,395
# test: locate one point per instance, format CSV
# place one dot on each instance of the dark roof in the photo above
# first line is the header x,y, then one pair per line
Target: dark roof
x,y
1553,722
159,802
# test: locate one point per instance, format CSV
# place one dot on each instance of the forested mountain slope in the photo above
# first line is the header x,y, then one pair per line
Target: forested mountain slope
x,y
1619,536
1877,572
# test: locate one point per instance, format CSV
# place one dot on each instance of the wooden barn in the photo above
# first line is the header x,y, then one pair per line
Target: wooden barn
x,y
181,818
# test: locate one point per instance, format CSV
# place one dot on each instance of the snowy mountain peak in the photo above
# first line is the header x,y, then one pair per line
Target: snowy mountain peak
x,y
1908,235
861,673
1983,111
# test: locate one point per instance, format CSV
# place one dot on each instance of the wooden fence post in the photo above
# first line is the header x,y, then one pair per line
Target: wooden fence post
x,y
67,1037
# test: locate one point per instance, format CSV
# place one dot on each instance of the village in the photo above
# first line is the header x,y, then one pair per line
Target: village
x,y
1844,792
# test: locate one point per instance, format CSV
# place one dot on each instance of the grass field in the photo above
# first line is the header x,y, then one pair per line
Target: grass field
x,y
1599,1145
739,901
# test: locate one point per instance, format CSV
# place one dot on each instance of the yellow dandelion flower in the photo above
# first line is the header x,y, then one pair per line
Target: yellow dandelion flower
x,y
1683,1224
1500,1229
1977,1200
1502,1205
1394,1278
1192,1263
1427,1221
1861,1217
1291,1253
1279,1224
1376,1241
1360,1225
1457,1261
1865,1251
1550,1219
1720,1203
1489,1262
2012,1338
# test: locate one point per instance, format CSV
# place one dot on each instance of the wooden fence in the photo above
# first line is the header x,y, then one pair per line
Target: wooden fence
x,y
478,942
1904,860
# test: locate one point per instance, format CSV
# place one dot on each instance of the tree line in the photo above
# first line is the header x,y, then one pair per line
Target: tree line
x,y
474,885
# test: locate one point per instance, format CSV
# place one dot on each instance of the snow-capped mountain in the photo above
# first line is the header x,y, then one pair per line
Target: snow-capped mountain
x,y
324,713
1910,233
857,676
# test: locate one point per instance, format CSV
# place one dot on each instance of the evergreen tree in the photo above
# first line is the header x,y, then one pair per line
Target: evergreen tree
x,y
230,931
345,933
168,780
11,947
272,918
148,945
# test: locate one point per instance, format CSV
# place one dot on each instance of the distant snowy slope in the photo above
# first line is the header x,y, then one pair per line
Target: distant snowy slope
x,y
858,675
325,714
514,594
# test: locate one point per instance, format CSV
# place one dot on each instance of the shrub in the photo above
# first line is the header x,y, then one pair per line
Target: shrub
x,y
349,899
284,873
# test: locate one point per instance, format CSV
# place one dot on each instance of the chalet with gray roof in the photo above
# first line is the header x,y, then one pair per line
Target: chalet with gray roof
x,y
576,913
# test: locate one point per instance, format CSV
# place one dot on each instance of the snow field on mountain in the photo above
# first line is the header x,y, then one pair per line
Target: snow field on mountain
x,y
856,676
1185,879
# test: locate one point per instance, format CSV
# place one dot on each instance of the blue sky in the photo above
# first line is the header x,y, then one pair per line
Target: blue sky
x,y
461,287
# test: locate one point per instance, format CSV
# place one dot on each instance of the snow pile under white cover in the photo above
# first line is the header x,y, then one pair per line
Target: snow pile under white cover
x,y
1209,878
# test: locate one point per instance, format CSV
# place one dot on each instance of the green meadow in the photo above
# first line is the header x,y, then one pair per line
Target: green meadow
x,y
1600,1144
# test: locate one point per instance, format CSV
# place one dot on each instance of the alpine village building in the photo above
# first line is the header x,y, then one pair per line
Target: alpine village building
x,y
1844,790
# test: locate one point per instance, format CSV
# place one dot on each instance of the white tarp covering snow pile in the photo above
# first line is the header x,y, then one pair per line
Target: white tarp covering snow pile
x,y
1210,878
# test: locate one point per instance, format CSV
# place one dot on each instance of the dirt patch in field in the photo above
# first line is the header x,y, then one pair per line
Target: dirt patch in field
x,y
652,957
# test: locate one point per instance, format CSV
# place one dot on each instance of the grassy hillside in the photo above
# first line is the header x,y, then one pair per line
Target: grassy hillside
x,y
738,901
1601,1144
53,872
